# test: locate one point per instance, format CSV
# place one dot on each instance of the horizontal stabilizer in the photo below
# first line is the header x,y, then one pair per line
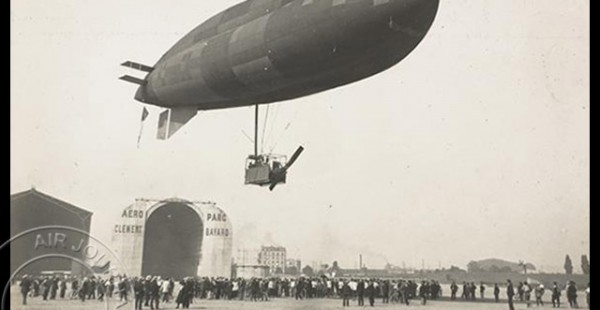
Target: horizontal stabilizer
x,y
137,66
170,121
132,79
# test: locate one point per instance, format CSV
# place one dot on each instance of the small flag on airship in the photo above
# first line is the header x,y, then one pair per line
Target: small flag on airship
x,y
144,114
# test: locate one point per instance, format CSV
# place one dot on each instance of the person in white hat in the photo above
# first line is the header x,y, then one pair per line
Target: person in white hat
x,y
539,292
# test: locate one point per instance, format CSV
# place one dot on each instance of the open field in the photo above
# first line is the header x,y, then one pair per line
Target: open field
x,y
277,303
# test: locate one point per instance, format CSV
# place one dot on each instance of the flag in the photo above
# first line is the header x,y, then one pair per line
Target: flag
x,y
144,114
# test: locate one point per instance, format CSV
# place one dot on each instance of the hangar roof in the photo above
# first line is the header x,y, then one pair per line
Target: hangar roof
x,y
82,213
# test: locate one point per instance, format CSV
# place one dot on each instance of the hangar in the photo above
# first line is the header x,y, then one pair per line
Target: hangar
x,y
173,238
35,249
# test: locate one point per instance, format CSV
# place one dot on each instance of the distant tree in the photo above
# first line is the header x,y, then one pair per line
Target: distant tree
x,y
308,271
585,264
568,265
494,268
278,270
293,270
473,266
455,269
505,269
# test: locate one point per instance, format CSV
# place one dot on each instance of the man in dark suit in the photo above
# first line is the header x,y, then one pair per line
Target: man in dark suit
x,y
360,292
572,294
555,295
346,294
25,284
453,290
371,292
496,292
510,292
138,291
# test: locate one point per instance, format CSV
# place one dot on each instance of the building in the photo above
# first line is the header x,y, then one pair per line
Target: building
x,y
173,238
250,271
47,234
274,257
292,264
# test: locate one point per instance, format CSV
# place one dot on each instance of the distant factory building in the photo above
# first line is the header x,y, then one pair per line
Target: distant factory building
x,y
173,238
47,234
274,257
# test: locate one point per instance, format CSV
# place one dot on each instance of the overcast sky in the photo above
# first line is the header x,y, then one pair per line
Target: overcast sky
x,y
474,146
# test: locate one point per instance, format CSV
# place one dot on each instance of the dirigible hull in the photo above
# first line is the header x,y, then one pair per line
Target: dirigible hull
x,y
263,51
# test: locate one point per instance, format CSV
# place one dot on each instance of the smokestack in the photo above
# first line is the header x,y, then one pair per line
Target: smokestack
x,y
360,261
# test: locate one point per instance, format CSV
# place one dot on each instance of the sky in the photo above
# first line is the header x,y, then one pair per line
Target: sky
x,y
474,146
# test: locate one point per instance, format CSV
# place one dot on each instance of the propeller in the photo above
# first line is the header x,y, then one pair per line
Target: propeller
x,y
279,175
294,157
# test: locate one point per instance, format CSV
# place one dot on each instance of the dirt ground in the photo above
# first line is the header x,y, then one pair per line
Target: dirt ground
x,y
277,303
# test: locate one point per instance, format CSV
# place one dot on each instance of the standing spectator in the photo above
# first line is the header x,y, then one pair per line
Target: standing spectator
x,y
587,295
36,287
385,291
164,290
63,288
181,295
371,292
154,293
74,288
100,289
110,287
242,288
539,292
496,292
572,295
25,284
360,292
453,290
473,290
122,286
510,292
345,294
147,291
520,291
527,293
91,289
555,295
482,290
85,287
404,294
138,292
423,293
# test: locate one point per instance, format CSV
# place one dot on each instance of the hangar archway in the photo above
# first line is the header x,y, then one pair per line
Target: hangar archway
x,y
172,241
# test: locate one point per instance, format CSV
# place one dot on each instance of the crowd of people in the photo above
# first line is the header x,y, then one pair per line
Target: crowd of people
x,y
151,291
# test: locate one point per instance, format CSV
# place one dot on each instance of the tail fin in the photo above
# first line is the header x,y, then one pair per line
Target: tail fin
x,y
170,121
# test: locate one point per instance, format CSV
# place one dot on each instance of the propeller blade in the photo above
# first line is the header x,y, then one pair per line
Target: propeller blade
x,y
272,186
294,157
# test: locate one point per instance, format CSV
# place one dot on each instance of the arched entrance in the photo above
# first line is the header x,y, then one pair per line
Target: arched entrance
x,y
172,241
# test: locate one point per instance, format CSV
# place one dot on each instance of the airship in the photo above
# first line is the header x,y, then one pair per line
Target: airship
x,y
264,51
